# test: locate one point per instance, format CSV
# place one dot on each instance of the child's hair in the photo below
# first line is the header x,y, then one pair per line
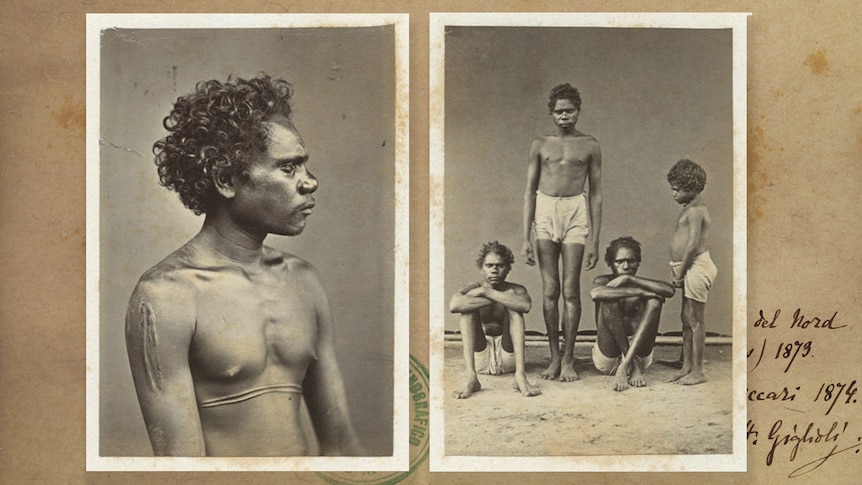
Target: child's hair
x,y
687,175
564,91
495,247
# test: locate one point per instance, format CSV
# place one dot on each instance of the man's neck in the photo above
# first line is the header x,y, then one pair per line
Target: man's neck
x,y
568,132
230,241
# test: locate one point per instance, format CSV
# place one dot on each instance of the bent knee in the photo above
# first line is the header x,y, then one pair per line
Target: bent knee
x,y
653,303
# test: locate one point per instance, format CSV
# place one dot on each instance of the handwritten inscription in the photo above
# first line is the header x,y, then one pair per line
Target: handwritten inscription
x,y
799,320
782,395
833,393
797,441
787,440
788,351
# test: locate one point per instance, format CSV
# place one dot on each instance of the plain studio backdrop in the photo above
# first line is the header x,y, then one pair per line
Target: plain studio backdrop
x,y
649,96
344,108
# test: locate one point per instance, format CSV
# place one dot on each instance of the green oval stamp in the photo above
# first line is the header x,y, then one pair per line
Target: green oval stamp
x,y
419,407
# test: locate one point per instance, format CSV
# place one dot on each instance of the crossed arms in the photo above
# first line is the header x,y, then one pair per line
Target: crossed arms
x,y
609,288
477,295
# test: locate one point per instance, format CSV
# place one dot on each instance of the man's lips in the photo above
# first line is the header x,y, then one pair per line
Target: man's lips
x,y
307,209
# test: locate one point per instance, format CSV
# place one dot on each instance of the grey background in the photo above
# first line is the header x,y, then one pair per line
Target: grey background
x,y
344,108
649,96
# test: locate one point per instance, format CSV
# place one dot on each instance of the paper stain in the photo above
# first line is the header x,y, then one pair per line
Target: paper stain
x,y
816,61
71,115
758,178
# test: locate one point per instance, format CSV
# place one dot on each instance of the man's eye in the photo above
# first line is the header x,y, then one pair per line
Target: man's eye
x,y
289,169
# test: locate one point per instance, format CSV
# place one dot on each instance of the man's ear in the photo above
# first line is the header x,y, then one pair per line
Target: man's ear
x,y
224,182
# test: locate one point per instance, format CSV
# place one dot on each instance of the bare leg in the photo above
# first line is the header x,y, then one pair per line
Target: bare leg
x,y
642,343
694,309
611,337
471,334
686,344
549,255
573,256
516,331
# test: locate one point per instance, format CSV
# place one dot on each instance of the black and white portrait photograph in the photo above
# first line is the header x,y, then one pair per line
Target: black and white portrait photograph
x,y
587,242
247,236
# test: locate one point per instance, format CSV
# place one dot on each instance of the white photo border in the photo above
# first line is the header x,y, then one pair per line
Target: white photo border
x,y
439,461
399,461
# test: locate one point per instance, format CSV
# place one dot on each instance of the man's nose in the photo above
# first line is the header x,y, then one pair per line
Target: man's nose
x,y
309,184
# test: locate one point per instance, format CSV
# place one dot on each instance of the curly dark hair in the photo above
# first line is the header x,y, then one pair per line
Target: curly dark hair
x,y
214,132
687,175
622,242
564,91
497,248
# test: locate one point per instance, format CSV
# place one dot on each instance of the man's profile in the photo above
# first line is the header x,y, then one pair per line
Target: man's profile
x,y
628,313
226,336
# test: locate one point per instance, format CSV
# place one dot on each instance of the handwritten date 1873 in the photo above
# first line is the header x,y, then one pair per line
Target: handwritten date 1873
x,y
788,351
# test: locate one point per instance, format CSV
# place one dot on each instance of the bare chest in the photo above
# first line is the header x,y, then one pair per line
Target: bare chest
x,y
566,153
247,330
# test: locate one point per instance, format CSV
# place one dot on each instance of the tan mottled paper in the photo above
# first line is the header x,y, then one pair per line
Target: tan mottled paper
x,y
804,144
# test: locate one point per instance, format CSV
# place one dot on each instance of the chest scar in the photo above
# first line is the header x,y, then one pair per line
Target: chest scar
x,y
150,345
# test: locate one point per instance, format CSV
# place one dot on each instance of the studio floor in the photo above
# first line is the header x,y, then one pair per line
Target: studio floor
x,y
587,417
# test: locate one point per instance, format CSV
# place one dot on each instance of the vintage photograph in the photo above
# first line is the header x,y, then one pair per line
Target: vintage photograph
x,y
588,241
247,235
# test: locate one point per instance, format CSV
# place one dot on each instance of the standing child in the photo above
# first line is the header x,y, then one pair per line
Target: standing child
x,y
691,265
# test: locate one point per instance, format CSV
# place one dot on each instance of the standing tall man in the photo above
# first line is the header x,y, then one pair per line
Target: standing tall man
x,y
554,201
226,336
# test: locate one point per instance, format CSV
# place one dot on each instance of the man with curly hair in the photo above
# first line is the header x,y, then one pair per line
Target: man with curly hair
x,y
557,212
691,265
492,322
628,313
227,337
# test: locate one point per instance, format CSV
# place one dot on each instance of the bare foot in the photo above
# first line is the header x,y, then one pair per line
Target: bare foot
x,y
523,386
567,373
553,370
637,378
468,391
684,371
694,377
621,382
